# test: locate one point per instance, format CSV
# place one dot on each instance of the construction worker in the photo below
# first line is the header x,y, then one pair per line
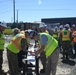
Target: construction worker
x,y
17,44
12,54
60,30
60,43
24,44
55,33
42,28
2,42
66,37
73,28
74,41
50,47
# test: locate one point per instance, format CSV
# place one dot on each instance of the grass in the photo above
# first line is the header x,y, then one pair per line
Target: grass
x,y
8,31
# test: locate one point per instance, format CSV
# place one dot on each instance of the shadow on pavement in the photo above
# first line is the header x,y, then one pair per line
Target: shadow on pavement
x,y
69,62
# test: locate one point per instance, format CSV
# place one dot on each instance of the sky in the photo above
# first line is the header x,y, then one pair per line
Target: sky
x,y
35,10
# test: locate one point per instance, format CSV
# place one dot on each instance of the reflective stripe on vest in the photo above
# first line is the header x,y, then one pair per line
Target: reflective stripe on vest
x,y
51,44
15,45
65,35
15,42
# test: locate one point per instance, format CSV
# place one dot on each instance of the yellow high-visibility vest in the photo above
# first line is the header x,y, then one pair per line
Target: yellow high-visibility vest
x,y
2,41
51,44
15,44
65,35
55,35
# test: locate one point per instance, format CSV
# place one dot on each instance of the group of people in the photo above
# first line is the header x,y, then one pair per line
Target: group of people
x,y
66,37
48,48
16,48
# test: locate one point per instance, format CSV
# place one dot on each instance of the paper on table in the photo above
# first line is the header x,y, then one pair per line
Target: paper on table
x,y
31,58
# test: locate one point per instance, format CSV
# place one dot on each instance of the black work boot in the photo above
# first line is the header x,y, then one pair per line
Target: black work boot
x,y
67,57
63,58
42,71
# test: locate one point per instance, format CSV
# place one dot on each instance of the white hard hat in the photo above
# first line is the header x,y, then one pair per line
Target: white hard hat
x,y
56,27
3,25
42,24
61,26
67,25
73,25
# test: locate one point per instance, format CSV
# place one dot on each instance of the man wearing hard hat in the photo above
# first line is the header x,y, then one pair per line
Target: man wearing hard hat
x,y
43,29
60,43
73,28
55,33
66,37
49,46
2,41
74,39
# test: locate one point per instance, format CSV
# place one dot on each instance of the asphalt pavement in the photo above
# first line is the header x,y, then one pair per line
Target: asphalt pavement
x,y
62,68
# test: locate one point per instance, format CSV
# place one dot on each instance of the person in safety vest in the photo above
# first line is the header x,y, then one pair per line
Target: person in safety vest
x,y
73,28
2,42
11,55
16,45
66,38
55,33
74,41
50,47
42,28
60,43
25,42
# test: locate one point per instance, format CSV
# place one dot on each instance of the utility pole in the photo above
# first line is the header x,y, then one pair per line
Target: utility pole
x,y
17,16
14,10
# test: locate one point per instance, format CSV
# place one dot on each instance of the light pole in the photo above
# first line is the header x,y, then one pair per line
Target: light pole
x,y
17,16
14,10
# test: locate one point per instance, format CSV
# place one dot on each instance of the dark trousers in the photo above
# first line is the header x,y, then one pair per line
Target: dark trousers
x,y
43,59
1,59
12,62
20,56
75,47
66,48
